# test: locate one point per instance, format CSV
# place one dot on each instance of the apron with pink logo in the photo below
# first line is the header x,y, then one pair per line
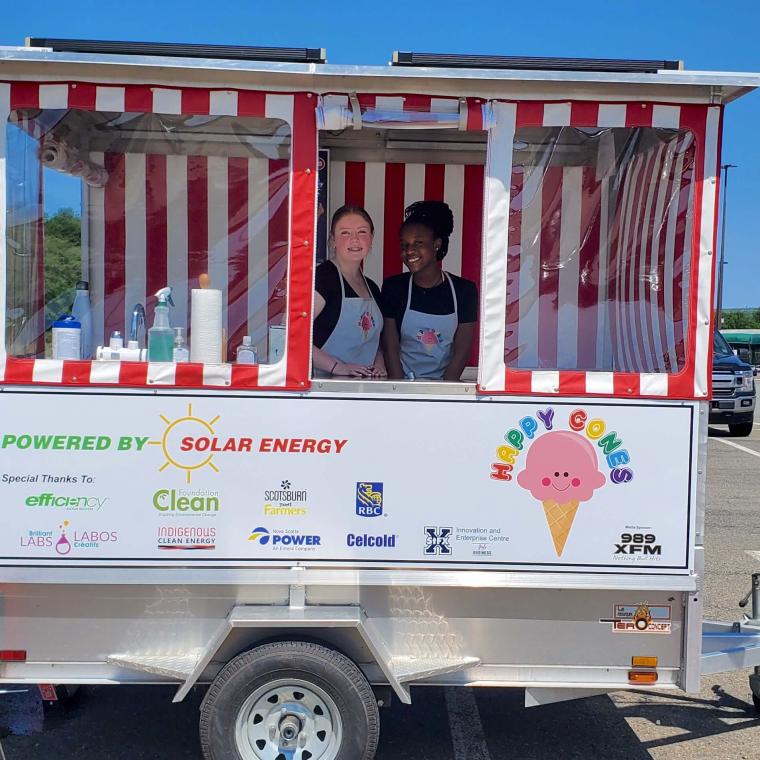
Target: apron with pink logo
x,y
427,339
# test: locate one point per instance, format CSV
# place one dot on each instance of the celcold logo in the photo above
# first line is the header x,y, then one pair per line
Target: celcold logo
x,y
437,540
365,540
280,539
369,499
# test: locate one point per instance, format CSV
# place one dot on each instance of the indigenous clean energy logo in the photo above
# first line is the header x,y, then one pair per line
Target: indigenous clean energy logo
x,y
562,466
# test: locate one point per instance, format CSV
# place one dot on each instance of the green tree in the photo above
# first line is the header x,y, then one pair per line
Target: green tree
x,y
741,320
63,261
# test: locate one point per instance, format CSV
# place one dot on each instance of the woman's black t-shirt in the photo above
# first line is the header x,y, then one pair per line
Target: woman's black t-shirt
x,y
327,284
435,300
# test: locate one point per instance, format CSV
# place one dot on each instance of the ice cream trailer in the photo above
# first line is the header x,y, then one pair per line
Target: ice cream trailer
x,y
303,544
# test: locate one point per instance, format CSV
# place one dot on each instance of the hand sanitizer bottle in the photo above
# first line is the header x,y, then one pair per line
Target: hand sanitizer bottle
x,y
161,335
246,352
181,353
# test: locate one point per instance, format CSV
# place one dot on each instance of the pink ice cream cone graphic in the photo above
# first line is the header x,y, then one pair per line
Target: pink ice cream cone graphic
x,y
366,322
561,471
429,338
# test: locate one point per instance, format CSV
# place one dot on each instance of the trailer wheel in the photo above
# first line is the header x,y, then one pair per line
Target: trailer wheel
x,y
289,700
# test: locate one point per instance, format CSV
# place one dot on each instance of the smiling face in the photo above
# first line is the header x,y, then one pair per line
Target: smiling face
x,y
419,249
561,466
351,238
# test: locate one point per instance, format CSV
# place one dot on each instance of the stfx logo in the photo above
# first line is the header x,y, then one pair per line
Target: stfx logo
x,y
438,540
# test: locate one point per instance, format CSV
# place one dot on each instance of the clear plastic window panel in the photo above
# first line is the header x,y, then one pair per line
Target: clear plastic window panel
x,y
133,203
600,229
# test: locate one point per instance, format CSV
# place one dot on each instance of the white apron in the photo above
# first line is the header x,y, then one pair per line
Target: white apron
x,y
427,340
356,336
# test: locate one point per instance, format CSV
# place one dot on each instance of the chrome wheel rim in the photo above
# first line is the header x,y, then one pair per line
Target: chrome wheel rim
x,y
288,719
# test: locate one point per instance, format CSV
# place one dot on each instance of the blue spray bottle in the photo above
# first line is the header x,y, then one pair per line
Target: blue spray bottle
x,y
161,335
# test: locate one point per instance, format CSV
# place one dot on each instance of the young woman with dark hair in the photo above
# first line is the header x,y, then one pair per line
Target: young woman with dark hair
x,y
347,315
430,315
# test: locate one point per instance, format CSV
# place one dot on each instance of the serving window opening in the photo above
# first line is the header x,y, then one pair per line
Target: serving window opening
x,y
599,249
407,151
123,205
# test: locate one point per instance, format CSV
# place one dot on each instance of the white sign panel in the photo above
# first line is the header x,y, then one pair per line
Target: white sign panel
x,y
113,479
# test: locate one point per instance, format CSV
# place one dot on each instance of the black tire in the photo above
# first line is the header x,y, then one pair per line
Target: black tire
x,y
741,430
328,670
756,702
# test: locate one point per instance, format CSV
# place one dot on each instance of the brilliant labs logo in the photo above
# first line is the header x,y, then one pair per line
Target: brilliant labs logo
x,y
369,499
68,540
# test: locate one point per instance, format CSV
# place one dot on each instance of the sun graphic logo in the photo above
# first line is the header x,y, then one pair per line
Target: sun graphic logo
x,y
261,535
174,443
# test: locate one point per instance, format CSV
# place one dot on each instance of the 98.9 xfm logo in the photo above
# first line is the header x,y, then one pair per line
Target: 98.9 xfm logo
x,y
633,545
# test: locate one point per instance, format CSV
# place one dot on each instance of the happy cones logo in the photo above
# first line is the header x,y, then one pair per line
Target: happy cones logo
x,y
562,466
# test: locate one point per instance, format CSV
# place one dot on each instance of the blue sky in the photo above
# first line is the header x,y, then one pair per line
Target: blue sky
x,y
713,36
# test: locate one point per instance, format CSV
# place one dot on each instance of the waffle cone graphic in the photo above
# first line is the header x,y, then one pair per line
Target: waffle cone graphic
x,y
559,518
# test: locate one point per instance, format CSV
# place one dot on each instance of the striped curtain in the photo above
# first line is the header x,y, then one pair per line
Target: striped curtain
x,y
164,220
597,265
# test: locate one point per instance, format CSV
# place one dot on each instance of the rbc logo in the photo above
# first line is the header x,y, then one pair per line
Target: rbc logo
x,y
369,499
437,540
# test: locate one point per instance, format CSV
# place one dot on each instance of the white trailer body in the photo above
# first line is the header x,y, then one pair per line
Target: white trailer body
x,y
193,523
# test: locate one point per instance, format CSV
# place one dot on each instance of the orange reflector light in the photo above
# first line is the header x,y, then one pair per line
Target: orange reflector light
x,y
12,655
643,662
636,676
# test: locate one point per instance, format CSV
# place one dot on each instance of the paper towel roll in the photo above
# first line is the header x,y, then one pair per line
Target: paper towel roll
x,y
206,326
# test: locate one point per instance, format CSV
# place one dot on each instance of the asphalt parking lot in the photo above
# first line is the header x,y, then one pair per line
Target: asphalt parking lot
x,y
140,723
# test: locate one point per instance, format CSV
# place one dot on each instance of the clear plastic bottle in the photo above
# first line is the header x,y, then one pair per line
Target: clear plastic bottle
x,y
161,335
82,312
246,352
181,352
